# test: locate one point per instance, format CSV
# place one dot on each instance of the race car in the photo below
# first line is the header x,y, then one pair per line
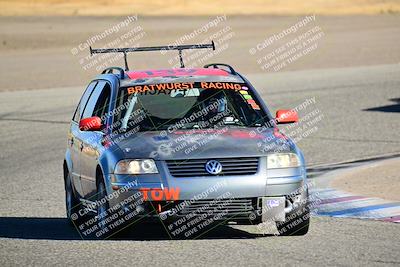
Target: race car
x,y
188,147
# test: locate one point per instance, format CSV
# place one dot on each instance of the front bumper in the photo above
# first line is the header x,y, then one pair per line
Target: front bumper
x,y
242,195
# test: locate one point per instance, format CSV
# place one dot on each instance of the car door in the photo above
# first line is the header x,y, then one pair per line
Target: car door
x,y
98,105
74,139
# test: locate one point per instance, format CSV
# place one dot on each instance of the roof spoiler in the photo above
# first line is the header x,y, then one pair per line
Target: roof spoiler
x,y
151,48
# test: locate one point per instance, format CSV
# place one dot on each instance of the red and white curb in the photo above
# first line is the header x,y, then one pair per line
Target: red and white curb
x,y
336,203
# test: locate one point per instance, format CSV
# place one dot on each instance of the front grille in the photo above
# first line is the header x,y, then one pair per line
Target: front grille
x,y
196,167
224,207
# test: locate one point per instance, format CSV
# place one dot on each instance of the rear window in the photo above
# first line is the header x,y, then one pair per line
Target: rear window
x,y
187,105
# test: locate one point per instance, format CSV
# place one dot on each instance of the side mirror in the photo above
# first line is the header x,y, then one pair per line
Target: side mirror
x,y
90,124
286,116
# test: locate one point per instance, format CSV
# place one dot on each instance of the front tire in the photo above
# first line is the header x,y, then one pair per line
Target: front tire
x,y
72,204
103,208
106,228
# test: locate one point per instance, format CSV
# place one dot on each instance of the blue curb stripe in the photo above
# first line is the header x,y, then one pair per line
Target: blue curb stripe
x,y
359,210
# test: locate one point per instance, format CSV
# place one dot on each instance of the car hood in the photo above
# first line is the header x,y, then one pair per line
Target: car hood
x,y
208,143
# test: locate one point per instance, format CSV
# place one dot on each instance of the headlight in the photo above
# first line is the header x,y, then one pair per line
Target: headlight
x,y
138,166
282,160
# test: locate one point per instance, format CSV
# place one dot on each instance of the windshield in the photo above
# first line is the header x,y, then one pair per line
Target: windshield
x,y
195,105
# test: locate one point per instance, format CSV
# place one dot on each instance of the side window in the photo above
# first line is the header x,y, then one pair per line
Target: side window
x,y
98,101
103,104
83,101
122,98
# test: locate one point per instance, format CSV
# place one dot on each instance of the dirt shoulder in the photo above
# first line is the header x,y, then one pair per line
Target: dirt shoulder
x,y
376,180
204,7
36,52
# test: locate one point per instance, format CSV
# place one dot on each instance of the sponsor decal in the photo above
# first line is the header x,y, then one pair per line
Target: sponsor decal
x,y
159,87
175,72
166,87
220,85
247,97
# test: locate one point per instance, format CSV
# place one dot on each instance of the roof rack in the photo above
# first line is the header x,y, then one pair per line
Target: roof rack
x,y
151,48
215,66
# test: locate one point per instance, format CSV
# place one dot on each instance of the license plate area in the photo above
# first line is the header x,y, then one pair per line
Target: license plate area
x,y
273,209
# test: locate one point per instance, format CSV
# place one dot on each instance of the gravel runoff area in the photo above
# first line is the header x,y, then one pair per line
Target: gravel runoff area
x,y
378,179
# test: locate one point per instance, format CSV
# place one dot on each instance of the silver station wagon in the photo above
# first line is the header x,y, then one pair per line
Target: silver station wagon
x,y
190,148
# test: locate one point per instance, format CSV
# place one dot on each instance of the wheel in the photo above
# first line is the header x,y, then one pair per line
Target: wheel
x,y
297,224
105,219
108,221
72,204
103,206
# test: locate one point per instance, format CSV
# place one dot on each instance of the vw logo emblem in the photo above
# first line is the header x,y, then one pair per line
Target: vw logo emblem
x,y
213,167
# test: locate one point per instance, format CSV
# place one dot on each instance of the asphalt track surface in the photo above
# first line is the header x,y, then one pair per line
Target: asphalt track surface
x,y
360,107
